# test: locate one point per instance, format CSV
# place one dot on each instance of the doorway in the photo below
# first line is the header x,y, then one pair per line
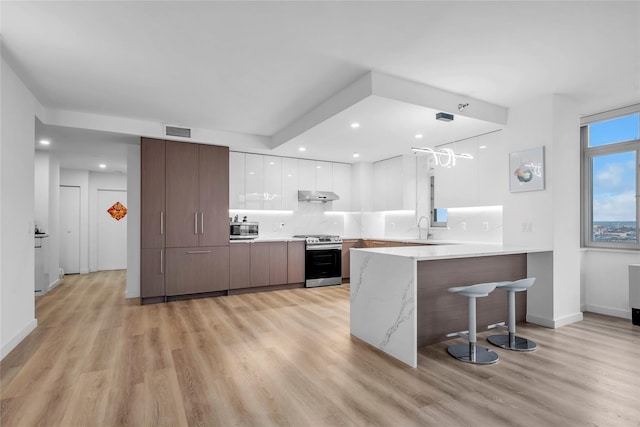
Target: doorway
x,y
112,232
70,229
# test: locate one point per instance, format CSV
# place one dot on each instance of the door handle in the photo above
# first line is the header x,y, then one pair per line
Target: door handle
x,y
201,222
197,252
161,223
161,261
195,223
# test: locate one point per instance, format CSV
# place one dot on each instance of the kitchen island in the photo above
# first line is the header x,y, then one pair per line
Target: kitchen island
x,y
399,298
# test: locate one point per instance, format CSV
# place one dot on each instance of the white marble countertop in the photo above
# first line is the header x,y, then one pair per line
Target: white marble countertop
x,y
268,239
444,251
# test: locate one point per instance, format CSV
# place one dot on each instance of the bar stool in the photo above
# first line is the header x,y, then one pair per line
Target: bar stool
x,y
511,341
471,353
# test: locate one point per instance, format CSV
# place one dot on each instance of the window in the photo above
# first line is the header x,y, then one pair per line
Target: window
x,y
438,215
611,182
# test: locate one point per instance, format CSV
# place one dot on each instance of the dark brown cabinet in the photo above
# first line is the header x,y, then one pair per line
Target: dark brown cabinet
x,y
184,219
152,193
346,257
239,265
295,262
278,261
152,272
197,183
197,269
259,264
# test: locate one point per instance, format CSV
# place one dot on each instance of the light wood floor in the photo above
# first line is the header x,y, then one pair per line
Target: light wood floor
x,y
286,358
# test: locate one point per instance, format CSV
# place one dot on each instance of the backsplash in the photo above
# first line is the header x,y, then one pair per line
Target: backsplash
x,y
483,224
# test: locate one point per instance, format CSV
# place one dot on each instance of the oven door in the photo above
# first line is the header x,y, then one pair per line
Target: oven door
x,y
323,265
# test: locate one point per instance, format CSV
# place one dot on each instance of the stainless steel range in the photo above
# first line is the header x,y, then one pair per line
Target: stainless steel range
x,y
323,260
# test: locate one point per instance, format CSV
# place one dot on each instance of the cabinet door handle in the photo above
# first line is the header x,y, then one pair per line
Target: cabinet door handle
x,y
197,252
161,223
201,222
161,261
195,223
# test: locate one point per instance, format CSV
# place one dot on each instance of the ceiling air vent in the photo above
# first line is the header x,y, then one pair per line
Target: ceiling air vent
x,y
177,131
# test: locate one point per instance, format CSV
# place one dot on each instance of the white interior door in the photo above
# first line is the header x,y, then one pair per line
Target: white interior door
x,y
70,229
112,233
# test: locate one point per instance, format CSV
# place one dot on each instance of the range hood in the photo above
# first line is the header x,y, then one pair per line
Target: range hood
x,y
316,196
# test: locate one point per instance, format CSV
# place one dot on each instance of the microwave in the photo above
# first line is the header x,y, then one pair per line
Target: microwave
x,y
243,230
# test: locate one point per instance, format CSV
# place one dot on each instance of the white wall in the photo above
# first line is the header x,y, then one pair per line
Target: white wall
x,y
18,109
100,181
605,279
54,222
80,178
41,189
549,219
47,202
133,223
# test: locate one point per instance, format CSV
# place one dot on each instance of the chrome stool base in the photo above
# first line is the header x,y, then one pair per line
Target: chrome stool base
x,y
472,353
512,342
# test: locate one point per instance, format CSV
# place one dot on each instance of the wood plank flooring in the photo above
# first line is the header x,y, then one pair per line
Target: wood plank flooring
x,y
286,358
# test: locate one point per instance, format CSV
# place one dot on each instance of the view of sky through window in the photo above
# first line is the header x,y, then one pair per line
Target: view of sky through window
x,y
614,181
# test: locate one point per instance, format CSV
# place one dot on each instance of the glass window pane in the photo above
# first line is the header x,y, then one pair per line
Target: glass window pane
x,y
621,129
614,198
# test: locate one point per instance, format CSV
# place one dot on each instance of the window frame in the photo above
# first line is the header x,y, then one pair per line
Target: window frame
x,y
588,154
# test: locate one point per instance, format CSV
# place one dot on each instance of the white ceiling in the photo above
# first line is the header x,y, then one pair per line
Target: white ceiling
x,y
257,67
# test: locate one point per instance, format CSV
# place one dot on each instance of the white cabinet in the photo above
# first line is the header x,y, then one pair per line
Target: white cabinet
x,y
254,181
272,195
261,182
289,183
473,182
236,180
324,176
457,186
342,186
394,184
306,175
493,168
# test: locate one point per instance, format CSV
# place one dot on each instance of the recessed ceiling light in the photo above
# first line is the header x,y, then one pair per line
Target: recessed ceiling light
x,y
252,173
483,146
272,163
419,136
356,155
45,142
302,149
355,125
318,167
102,166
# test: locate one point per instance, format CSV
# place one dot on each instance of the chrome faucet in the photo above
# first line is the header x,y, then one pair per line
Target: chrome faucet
x,y
420,226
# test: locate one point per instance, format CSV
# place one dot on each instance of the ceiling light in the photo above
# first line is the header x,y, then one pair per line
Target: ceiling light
x,y
445,157
445,117
419,136
461,107
102,166
45,142
355,125
356,155
302,149
483,146
272,163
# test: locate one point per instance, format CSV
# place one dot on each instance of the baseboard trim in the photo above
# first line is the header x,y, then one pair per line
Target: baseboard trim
x,y
17,339
55,284
554,323
608,311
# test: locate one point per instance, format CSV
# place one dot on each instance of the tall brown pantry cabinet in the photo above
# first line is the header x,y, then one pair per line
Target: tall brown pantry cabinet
x,y
185,224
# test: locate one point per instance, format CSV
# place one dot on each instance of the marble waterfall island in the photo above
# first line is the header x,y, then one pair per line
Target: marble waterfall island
x,y
399,298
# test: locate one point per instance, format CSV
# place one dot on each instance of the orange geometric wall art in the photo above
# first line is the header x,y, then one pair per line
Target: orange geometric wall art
x,y
117,211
